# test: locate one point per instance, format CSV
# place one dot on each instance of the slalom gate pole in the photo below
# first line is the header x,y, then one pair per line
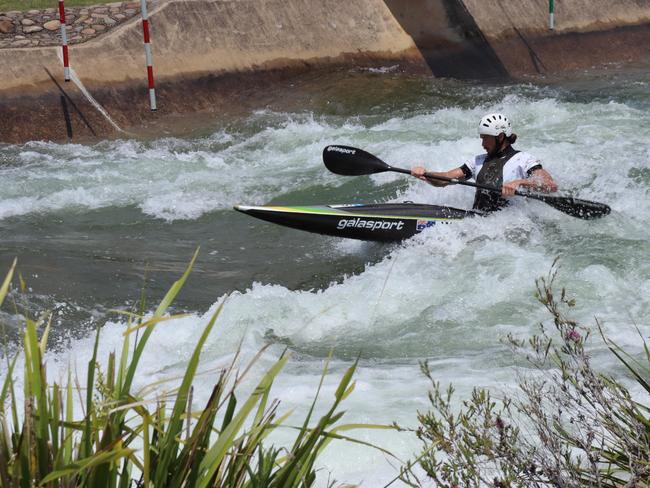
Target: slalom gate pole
x,y
147,53
551,14
64,42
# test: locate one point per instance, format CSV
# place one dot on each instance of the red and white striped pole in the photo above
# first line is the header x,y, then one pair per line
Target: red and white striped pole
x,y
64,42
147,53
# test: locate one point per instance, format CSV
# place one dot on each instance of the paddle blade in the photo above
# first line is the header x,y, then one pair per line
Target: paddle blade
x,y
582,209
350,161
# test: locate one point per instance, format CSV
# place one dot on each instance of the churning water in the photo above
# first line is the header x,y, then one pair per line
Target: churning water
x,y
92,225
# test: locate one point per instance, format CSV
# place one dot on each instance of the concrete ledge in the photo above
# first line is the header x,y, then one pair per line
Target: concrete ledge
x,y
525,55
59,111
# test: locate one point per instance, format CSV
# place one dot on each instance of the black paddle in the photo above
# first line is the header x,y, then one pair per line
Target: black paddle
x,y
350,161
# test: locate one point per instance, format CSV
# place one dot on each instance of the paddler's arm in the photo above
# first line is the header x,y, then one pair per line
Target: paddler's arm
x,y
539,180
456,173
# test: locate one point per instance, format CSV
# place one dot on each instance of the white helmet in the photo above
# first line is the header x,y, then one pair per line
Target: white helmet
x,y
495,124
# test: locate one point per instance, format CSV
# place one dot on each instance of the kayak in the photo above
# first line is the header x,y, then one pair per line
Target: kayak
x,y
372,222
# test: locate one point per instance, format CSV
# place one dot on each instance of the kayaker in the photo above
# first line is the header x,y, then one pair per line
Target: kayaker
x,y
502,166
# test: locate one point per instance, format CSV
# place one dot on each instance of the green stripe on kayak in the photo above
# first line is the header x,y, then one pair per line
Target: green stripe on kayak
x,y
323,210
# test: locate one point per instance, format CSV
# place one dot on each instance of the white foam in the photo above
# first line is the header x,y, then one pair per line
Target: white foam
x,y
449,294
183,179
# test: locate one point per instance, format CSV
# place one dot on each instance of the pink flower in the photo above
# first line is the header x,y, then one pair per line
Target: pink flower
x,y
574,335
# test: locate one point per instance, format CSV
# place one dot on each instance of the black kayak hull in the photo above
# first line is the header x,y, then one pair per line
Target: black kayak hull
x,y
375,222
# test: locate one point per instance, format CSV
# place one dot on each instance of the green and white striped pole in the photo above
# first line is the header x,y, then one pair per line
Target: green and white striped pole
x,y
551,14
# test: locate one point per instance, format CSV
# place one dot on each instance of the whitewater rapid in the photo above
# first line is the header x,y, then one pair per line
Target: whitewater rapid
x,y
449,295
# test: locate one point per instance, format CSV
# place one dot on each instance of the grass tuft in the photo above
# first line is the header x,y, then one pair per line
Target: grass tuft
x,y
123,439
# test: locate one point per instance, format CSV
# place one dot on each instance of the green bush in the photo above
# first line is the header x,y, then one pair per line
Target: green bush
x,y
122,438
569,426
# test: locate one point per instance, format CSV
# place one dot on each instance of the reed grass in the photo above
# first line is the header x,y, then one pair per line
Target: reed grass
x,y
124,439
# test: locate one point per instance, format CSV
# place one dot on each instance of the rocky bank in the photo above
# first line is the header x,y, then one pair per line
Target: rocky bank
x,y
43,28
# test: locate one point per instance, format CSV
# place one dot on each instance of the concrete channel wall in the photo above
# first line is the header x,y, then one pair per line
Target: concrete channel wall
x,y
203,51
588,33
201,45
195,37
511,38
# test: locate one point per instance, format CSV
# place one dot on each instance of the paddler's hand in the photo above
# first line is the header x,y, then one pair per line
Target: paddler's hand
x,y
420,171
509,189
